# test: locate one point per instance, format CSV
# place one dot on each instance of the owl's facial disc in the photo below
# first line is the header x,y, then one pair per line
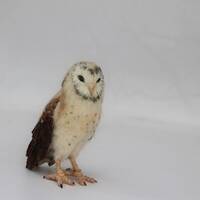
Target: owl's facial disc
x,y
88,81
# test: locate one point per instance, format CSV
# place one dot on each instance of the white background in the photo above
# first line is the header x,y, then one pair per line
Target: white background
x,y
148,144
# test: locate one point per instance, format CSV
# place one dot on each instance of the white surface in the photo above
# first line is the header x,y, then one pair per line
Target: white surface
x,y
148,143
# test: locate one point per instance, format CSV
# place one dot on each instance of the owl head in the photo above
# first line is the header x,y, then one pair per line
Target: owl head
x,y
87,80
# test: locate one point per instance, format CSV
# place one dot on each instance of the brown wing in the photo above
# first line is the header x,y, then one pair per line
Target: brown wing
x,y
38,148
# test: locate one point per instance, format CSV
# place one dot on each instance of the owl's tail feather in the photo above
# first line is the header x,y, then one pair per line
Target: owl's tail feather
x,y
32,161
38,149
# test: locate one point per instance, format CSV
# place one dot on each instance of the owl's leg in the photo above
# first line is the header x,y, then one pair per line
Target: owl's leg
x,y
77,173
60,176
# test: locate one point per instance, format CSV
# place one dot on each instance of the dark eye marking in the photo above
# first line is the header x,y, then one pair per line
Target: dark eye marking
x,y
98,80
91,71
81,78
97,69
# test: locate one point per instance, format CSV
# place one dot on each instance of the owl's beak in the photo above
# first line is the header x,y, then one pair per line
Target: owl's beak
x,y
91,88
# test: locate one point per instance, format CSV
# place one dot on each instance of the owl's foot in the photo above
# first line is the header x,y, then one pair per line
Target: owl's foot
x,y
80,178
60,177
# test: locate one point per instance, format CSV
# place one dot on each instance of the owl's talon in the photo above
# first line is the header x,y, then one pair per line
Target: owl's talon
x,y
81,179
69,170
60,177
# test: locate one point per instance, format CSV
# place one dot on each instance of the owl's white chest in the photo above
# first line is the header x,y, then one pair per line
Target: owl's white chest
x,y
74,127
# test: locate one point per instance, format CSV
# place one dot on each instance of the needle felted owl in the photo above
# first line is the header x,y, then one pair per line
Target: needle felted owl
x,y
68,122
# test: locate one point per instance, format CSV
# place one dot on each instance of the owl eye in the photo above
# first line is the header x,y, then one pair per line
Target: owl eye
x,y
81,78
98,80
